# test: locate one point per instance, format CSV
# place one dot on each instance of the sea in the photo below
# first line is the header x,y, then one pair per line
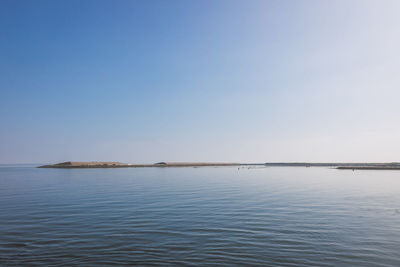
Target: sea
x,y
205,216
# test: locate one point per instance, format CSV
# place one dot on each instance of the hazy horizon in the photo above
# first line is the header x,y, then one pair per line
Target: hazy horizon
x,y
225,81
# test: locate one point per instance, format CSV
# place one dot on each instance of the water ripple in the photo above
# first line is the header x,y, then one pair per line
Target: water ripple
x,y
202,216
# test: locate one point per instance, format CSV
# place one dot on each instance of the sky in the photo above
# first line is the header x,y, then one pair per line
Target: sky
x,y
215,81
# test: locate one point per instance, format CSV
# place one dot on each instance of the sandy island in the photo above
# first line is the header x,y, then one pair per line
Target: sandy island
x,y
113,164
106,164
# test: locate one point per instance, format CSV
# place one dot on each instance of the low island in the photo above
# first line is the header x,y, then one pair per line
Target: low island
x,y
114,164
87,164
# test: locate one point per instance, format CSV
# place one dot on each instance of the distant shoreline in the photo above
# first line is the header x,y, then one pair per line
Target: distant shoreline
x,y
70,165
369,168
341,166
112,164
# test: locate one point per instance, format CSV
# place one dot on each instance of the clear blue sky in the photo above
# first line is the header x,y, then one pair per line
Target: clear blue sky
x,y
249,81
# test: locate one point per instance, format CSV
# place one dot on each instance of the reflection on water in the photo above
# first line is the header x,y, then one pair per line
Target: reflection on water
x,y
171,216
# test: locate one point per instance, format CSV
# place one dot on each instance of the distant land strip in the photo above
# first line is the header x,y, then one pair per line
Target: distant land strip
x,y
114,164
95,164
339,166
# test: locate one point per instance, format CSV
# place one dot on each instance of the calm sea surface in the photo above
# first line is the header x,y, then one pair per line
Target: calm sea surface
x,y
199,216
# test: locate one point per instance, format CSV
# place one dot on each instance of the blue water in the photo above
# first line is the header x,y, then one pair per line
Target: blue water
x,y
199,216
